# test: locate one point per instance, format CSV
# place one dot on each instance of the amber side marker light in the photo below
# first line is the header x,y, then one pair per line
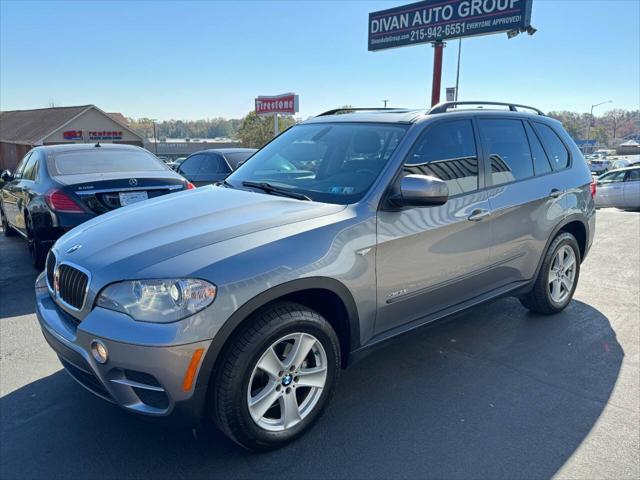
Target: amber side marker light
x,y
190,374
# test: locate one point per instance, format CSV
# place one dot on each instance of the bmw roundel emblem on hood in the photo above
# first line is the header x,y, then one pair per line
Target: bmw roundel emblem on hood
x,y
133,182
73,249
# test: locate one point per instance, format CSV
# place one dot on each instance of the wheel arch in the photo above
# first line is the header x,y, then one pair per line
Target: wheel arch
x,y
578,229
327,296
577,226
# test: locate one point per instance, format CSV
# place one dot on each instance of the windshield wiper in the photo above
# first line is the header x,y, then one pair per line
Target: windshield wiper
x,y
273,190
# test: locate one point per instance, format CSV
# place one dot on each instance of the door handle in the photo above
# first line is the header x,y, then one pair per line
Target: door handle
x,y
478,214
555,193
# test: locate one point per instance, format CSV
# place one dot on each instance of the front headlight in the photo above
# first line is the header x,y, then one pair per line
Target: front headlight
x,y
158,301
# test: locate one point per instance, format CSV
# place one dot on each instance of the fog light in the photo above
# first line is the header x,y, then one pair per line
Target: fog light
x,y
99,351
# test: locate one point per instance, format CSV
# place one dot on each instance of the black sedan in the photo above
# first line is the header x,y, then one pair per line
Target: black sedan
x,y
213,165
56,188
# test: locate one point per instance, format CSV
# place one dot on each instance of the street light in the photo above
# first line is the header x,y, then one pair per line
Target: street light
x,y
591,118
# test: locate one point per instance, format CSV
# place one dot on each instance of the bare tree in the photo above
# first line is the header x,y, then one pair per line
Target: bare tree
x,y
615,118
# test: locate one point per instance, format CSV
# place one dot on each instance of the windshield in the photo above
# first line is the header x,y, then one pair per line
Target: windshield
x,y
327,162
105,161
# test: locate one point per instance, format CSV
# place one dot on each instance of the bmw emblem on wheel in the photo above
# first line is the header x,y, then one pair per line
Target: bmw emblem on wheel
x,y
133,182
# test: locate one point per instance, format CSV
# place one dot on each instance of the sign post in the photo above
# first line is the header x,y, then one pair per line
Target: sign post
x,y
286,104
433,21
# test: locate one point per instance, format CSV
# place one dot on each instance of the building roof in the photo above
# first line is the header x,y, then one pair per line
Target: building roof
x,y
118,117
30,127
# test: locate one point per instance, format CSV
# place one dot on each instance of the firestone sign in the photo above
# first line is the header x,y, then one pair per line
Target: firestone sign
x,y
105,135
286,104
434,20
92,135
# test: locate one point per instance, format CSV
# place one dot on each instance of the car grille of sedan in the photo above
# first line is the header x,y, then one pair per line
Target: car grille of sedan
x,y
72,285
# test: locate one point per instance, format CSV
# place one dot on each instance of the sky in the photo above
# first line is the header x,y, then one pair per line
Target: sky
x,y
205,59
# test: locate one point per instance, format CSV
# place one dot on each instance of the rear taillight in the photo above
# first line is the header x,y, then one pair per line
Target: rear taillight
x,y
59,201
190,186
593,188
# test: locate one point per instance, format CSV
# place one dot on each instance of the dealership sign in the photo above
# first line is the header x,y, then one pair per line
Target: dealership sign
x,y
286,104
434,20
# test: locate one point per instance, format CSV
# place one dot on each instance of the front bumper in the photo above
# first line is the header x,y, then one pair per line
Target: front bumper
x,y
143,379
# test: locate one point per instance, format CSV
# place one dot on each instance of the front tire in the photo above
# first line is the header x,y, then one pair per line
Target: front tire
x,y
276,378
558,277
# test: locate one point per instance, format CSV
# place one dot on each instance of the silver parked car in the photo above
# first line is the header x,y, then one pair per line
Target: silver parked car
x,y
619,188
240,303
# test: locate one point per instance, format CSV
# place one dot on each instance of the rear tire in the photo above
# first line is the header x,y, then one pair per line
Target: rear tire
x,y
37,250
6,229
558,277
267,392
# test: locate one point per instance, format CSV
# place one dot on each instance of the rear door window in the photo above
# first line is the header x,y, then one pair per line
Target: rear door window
x,y
506,144
31,168
447,151
193,165
213,164
21,166
553,145
541,164
633,176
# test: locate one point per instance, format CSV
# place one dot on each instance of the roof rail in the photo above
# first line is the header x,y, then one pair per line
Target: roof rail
x,y
350,109
444,106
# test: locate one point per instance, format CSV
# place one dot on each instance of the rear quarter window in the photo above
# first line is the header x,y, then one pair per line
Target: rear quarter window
x,y
555,148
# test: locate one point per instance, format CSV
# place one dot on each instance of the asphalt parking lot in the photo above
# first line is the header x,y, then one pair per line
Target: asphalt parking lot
x,y
496,393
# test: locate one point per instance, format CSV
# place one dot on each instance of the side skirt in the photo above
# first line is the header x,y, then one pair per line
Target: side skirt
x,y
516,288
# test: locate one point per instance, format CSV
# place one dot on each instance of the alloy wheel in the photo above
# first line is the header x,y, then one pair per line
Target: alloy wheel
x,y
287,382
562,274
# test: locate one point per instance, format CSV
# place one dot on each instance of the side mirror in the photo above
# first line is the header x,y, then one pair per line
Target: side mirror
x,y
421,191
6,175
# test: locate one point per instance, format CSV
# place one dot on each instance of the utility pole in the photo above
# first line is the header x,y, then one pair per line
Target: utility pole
x,y
458,70
385,103
591,119
155,137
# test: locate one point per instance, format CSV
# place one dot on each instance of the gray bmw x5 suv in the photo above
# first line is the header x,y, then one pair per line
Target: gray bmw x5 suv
x,y
240,303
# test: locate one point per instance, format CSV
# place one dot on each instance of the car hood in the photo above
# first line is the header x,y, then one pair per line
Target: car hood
x,y
137,236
